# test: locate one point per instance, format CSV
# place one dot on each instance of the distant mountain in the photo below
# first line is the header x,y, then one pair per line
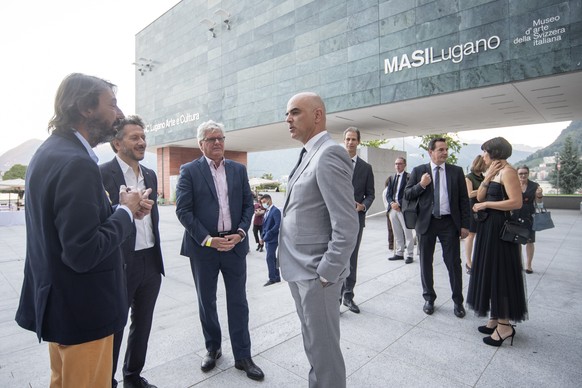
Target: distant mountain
x,y
464,158
19,155
280,162
574,130
24,152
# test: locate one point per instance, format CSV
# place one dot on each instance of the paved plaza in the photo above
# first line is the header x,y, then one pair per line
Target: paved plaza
x,y
392,343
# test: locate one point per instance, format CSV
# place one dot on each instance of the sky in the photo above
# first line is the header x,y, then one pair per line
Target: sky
x,y
538,136
44,41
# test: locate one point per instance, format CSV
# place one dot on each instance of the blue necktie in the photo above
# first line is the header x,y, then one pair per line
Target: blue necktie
x,y
436,211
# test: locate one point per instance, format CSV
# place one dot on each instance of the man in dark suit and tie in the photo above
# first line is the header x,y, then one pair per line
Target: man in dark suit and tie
x,y
318,228
214,203
74,295
443,213
394,196
141,251
363,183
270,237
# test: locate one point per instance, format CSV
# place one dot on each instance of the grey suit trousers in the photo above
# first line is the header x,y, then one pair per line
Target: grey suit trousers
x,y
319,311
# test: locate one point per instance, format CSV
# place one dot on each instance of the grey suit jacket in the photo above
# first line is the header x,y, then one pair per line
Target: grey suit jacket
x,y
319,223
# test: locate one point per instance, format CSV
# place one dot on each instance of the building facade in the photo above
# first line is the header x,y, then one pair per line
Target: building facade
x,y
238,62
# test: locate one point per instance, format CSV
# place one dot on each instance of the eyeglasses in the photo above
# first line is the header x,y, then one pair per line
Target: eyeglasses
x,y
215,139
398,164
522,173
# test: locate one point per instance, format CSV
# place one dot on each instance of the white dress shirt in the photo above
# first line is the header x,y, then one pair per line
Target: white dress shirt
x,y
444,194
144,237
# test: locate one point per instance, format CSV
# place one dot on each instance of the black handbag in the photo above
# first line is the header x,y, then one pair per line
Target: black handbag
x,y
514,232
542,220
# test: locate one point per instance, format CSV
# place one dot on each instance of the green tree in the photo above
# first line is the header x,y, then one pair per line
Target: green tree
x,y
15,172
267,175
570,173
453,142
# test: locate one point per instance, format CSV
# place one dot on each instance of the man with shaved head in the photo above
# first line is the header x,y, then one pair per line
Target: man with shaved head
x,y
318,229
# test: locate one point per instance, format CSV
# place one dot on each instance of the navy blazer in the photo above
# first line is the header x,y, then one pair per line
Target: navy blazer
x,y
456,190
391,189
197,205
363,182
74,287
113,178
271,225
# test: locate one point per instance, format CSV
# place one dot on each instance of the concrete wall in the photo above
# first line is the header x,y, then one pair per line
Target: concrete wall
x,y
573,202
382,161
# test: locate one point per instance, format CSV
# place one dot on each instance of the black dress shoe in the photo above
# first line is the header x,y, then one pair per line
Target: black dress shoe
x,y
396,257
136,382
253,371
271,282
428,307
409,260
349,303
209,361
459,310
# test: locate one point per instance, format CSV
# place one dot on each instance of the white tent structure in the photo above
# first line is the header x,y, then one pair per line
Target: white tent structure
x,y
11,185
254,182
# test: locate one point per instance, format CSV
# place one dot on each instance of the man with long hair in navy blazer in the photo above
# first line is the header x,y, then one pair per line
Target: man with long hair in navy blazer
x,y
443,213
141,251
74,295
214,203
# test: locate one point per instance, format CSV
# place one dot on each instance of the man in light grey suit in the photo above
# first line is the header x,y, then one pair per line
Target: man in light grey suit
x,y
318,233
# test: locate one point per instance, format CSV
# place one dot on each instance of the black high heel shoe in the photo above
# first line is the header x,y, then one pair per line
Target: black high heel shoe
x,y
486,330
492,342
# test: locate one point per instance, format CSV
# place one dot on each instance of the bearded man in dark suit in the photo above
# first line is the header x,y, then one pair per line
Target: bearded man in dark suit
x,y
142,251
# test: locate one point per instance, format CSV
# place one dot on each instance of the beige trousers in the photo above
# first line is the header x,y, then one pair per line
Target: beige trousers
x,y
85,365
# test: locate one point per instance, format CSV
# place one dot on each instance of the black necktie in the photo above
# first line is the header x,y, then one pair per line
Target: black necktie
x,y
395,190
436,211
303,151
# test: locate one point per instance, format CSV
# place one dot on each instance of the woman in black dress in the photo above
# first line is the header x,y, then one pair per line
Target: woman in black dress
x,y
532,195
473,180
496,286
